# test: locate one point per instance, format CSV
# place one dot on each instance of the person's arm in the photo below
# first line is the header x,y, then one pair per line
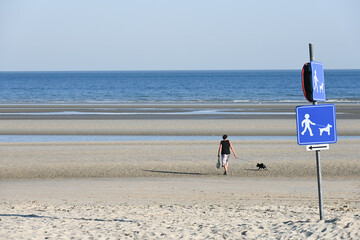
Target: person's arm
x,y
219,149
232,149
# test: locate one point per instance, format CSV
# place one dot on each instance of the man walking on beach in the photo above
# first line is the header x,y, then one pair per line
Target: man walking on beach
x,y
224,148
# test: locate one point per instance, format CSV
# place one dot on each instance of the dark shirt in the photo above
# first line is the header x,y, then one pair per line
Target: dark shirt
x,y
225,147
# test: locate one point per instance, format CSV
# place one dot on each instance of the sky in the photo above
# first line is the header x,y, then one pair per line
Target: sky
x,y
93,35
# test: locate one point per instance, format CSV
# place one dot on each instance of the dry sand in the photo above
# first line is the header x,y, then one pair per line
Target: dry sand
x,y
178,208
172,190
128,190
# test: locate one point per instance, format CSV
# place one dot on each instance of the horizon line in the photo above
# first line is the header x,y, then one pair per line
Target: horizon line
x,y
178,70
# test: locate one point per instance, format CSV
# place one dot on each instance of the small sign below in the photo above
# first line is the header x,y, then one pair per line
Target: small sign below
x,y
317,147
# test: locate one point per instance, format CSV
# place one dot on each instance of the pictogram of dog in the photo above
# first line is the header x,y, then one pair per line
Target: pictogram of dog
x,y
325,129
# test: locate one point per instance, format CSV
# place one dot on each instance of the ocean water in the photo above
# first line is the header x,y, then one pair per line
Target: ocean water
x,y
170,87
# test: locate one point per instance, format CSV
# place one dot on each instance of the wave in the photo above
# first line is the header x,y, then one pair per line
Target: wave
x,y
244,101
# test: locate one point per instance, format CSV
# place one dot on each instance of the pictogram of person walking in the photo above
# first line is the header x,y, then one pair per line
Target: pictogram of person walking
x,y
307,123
316,82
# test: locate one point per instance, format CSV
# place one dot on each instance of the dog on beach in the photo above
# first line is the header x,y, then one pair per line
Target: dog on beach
x,y
325,129
261,166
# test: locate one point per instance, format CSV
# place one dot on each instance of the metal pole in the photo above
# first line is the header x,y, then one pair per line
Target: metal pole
x,y
318,167
318,162
311,52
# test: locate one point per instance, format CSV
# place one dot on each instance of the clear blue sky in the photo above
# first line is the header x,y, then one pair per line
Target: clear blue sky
x,y
177,34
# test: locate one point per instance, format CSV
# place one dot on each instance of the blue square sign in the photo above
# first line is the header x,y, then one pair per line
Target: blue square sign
x,y
316,124
318,84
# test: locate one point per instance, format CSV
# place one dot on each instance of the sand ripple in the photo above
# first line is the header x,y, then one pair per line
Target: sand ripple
x,y
32,220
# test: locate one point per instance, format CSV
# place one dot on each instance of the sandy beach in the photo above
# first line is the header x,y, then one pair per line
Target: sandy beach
x,y
178,208
172,189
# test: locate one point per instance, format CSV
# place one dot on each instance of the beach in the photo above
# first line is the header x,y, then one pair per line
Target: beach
x,y
171,189
179,208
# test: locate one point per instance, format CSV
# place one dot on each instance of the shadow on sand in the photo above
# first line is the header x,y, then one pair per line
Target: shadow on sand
x,y
255,170
55,218
171,172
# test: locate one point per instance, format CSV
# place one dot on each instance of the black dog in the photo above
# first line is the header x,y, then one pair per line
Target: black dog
x,y
261,166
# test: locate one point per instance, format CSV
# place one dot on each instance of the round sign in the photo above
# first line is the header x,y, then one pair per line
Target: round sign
x,y
306,82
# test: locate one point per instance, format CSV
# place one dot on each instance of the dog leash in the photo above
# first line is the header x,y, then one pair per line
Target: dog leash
x,y
248,161
319,125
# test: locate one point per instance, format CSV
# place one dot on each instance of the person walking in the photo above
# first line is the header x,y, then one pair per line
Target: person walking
x,y
307,123
224,149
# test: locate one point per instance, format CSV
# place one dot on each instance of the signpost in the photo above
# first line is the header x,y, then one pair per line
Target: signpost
x,y
316,124
318,84
313,83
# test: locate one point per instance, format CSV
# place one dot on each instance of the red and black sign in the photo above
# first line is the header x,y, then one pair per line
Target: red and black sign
x,y
307,82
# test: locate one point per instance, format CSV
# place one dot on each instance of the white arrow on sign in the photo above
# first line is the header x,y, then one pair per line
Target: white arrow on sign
x,y
317,147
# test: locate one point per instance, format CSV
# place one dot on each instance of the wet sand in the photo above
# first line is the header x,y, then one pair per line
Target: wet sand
x,y
283,158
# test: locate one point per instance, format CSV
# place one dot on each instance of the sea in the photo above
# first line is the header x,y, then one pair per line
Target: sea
x,y
165,87
117,87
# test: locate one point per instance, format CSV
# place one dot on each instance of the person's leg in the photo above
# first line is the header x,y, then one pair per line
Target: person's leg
x,y
225,159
